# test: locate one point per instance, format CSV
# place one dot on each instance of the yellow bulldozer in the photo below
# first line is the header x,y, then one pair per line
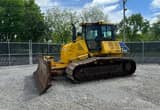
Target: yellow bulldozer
x,y
93,54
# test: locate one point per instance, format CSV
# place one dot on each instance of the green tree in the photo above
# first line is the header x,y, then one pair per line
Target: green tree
x,y
21,20
35,27
59,21
155,29
92,14
136,28
11,18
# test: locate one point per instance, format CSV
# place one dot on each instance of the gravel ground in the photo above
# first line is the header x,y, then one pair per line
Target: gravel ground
x,y
139,92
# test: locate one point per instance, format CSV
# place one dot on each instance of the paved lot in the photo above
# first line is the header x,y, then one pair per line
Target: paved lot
x,y
139,92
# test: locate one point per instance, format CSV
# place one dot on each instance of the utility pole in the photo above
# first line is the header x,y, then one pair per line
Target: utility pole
x,y
124,20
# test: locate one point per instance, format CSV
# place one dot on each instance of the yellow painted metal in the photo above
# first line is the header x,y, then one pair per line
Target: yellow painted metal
x,y
101,22
71,52
76,51
111,48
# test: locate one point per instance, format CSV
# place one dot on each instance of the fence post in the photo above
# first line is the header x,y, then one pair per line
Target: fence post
x,y
142,51
9,53
30,52
48,48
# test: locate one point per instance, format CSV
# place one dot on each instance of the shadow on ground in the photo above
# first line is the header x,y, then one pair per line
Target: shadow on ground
x,y
30,90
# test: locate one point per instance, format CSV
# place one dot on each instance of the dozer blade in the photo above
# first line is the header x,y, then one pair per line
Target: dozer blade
x,y
42,76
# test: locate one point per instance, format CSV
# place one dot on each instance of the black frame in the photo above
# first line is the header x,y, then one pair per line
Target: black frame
x,y
97,42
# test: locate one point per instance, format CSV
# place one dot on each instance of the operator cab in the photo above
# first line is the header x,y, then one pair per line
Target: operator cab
x,y
95,33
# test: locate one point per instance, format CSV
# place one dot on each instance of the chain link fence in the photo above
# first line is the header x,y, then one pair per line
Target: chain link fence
x,y
145,52
18,53
23,53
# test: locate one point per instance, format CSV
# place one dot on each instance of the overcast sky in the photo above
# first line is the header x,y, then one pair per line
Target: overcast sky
x,y
113,8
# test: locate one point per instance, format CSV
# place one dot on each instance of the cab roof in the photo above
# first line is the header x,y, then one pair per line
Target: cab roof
x,y
97,23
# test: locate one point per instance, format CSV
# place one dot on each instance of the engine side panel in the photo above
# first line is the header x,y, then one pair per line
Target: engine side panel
x,y
74,51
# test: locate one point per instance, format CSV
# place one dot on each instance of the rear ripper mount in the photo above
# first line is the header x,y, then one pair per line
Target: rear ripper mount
x,y
90,69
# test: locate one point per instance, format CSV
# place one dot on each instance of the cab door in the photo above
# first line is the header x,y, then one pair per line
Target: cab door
x,y
92,37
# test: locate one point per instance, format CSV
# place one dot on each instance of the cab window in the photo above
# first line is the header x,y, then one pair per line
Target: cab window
x,y
91,33
107,32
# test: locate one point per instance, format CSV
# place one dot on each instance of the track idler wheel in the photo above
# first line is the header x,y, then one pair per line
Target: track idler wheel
x,y
129,67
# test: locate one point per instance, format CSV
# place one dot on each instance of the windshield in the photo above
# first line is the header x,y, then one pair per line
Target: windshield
x,y
107,32
91,32
97,32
